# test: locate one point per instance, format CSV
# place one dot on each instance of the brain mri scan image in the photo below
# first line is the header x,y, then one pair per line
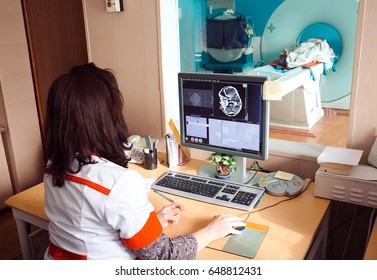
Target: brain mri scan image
x,y
230,101
195,99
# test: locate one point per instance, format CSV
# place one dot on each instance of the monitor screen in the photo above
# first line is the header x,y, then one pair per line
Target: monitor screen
x,y
224,113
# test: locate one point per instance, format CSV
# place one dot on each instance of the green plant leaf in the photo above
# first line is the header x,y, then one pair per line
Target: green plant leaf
x,y
218,158
223,161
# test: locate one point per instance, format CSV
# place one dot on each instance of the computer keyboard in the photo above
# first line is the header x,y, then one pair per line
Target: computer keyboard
x,y
210,190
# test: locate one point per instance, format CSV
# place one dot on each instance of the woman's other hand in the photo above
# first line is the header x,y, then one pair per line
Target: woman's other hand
x,y
170,214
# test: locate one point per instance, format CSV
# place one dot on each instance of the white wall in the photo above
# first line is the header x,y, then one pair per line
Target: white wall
x,y
170,62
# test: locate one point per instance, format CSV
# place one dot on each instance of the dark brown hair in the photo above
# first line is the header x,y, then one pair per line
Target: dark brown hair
x,y
84,117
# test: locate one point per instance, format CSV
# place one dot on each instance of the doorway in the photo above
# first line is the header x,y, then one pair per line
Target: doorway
x,y
56,40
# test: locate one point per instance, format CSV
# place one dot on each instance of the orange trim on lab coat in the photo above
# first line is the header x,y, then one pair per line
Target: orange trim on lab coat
x,y
149,233
88,183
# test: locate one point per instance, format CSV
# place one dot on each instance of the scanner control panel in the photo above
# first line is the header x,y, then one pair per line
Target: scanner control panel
x,y
279,187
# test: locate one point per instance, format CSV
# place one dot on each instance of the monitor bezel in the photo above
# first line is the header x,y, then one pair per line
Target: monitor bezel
x,y
263,154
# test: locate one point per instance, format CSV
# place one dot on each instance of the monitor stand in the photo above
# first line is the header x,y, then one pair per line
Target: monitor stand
x,y
241,176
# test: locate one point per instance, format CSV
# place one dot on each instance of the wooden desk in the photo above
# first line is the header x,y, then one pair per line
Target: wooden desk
x,y
293,224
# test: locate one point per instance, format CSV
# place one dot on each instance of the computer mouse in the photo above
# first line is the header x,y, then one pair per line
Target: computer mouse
x,y
240,228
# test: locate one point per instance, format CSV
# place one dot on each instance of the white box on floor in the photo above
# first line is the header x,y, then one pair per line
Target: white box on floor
x,y
360,187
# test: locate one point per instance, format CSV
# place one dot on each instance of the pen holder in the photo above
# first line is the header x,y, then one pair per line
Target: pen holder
x,y
150,159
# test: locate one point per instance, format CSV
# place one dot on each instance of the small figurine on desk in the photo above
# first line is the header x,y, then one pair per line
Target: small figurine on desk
x,y
97,207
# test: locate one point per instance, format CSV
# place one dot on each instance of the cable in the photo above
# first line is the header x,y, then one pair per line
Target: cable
x,y
337,99
349,233
277,203
251,168
255,169
260,48
332,227
349,219
252,177
370,228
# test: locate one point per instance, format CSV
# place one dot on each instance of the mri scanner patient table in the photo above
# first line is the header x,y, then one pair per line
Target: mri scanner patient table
x,y
300,107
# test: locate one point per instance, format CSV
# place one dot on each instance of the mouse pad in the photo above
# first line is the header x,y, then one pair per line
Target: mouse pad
x,y
246,244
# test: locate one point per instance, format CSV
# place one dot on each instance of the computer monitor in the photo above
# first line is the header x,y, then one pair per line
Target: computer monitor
x,y
224,113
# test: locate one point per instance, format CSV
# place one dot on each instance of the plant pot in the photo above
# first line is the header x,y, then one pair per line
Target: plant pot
x,y
223,177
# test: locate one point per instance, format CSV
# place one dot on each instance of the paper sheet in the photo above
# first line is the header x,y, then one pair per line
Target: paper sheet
x,y
272,90
340,156
284,175
364,172
148,183
172,146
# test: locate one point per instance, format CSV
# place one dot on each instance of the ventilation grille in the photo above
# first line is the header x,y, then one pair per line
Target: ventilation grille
x,y
355,195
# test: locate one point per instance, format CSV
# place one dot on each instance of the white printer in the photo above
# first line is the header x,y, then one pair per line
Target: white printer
x,y
355,184
359,187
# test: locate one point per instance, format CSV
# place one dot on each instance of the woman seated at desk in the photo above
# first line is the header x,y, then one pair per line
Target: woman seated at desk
x,y
97,207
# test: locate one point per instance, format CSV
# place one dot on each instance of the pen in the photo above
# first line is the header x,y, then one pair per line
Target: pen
x,y
148,141
164,196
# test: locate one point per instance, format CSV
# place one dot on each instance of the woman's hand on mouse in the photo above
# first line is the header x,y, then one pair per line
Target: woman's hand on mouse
x,y
223,225
169,214
219,227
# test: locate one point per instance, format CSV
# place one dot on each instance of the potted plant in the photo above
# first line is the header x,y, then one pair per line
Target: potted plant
x,y
225,164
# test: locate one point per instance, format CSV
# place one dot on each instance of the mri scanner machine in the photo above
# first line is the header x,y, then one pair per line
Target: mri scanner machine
x,y
300,107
